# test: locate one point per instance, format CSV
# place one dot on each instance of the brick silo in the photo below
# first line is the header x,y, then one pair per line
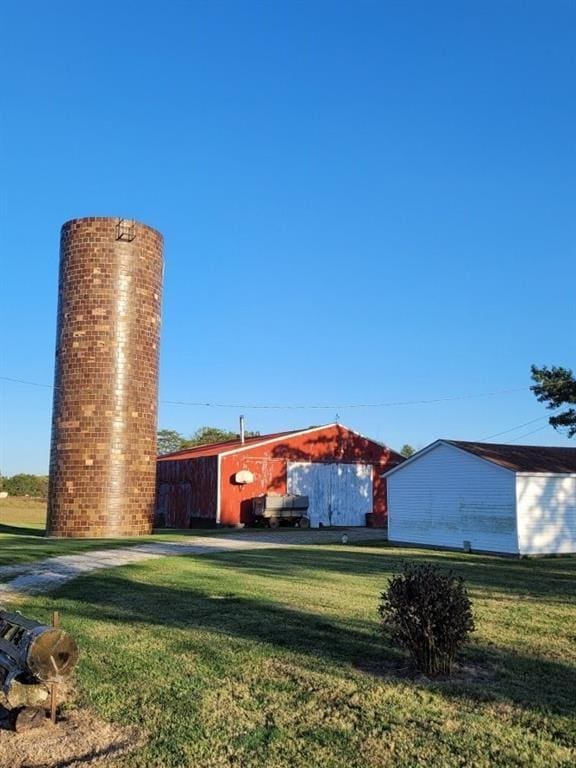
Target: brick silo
x,y
103,453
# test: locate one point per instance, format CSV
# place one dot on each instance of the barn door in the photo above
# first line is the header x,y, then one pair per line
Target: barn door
x,y
339,494
351,493
313,480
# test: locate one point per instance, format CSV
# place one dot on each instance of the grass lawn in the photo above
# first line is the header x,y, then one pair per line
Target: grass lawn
x,y
22,524
22,540
255,659
23,512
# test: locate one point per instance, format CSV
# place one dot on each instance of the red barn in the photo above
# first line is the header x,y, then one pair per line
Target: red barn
x,y
338,469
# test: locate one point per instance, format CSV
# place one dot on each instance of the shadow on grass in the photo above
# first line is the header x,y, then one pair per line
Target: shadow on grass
x,y
552,579
20,530
536,684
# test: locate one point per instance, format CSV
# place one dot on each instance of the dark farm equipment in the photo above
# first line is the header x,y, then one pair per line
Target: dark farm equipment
x,y
34,659
272,510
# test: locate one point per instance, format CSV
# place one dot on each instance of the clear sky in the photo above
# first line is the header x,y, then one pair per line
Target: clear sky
x,y
362,202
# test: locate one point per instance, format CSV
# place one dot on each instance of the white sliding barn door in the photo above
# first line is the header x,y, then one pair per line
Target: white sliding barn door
x,y
339,494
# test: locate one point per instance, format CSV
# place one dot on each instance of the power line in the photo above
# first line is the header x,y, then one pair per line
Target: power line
x,y
513,439
24,381
341,406
337,407
513,429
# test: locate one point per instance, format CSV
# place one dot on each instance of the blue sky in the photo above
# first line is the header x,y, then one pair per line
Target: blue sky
x,y
362,202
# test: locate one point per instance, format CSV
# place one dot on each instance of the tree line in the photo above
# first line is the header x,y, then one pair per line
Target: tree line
x,y
169,440
25,485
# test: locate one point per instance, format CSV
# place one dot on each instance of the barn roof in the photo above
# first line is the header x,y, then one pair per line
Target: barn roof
x,y
214,449
231,446
523,458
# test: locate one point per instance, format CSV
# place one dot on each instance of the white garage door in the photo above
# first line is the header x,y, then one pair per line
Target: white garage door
x,y
340,494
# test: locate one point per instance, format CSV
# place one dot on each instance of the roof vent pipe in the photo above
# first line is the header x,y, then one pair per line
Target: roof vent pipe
x,y
242,436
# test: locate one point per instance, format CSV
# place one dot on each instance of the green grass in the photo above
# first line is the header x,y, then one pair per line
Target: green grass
x,y
22,539
23,512
255,659
18,548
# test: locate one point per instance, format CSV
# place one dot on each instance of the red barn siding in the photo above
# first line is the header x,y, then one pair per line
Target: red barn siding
x,y
187,491
236,500
268,463
188,485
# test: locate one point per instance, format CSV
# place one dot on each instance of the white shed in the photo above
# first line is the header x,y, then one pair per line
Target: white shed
x,y
514,499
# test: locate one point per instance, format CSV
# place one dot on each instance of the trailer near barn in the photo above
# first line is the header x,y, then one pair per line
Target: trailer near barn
x,y
336,468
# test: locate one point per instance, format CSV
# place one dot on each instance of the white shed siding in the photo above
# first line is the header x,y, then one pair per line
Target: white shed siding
x,y
546,514
447,496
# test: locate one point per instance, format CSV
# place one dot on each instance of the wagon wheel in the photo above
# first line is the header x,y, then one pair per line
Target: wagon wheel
x,y
304,522
273,522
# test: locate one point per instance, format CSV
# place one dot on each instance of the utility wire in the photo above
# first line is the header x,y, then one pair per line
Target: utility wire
x,y
513,429
341,406
513,439
23,381
310,407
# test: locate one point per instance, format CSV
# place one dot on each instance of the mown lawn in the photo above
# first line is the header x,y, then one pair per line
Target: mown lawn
x,y
22,539
260,658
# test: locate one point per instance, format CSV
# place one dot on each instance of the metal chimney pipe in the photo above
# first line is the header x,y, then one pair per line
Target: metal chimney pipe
x,y
242,436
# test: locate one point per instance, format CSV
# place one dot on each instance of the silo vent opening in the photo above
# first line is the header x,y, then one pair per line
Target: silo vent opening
x,y
125,230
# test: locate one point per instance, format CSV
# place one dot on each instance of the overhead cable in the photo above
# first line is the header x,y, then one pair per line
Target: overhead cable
x,y
513,439
513,429
390,404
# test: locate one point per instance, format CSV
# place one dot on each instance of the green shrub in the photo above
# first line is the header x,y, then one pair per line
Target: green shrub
x,y
427,612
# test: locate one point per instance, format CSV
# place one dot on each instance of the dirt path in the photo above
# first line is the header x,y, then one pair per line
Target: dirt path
x,y
47,575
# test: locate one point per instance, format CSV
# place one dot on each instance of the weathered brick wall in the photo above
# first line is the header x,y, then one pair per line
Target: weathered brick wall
x,y
103,453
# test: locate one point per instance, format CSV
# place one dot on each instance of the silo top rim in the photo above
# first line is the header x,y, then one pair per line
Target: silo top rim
x,y
114,219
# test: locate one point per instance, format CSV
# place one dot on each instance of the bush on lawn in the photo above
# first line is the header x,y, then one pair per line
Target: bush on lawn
x,y
427,612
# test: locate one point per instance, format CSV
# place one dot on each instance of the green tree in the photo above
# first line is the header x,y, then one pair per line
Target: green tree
x,y
169,441
27,485
407,451
207,435
556,386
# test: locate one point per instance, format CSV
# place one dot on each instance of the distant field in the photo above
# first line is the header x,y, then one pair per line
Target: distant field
x,y
23,511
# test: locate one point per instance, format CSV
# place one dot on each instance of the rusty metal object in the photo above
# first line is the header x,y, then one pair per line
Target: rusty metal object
x,y
34,659
54,685
34,652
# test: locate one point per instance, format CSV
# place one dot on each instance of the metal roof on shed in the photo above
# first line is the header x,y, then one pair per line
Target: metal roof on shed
x,y
523,458
516,458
